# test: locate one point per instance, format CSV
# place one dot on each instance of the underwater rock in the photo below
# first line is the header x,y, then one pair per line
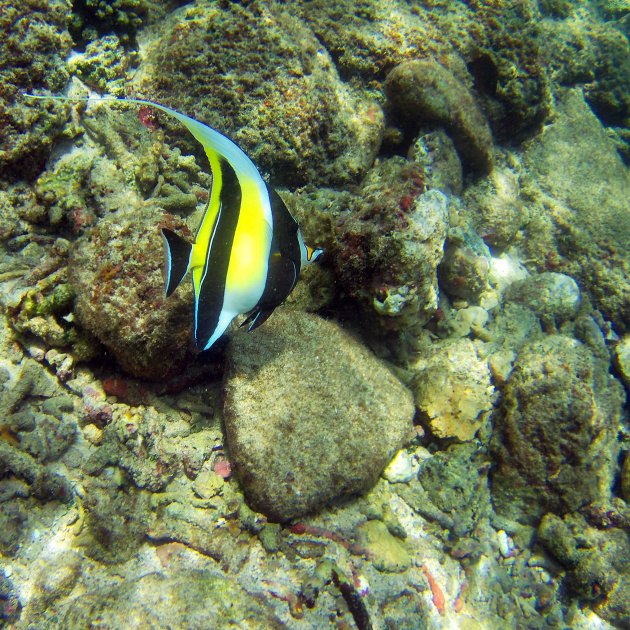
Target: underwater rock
x,y
595,562
587,200
92,18
33,49
424,92
104,65
509,65
268,84
387,553
436,155
456,483
624,481
185,599
310,414
591,53
495,44
452,388
556,441
465,269
401,469
386,251
495,207
116,273
552,296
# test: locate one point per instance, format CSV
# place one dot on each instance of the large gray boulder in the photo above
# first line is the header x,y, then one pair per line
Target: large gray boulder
x,y
310,414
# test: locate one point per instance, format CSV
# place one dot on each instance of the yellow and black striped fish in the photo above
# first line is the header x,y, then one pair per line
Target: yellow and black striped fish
x,y
248,251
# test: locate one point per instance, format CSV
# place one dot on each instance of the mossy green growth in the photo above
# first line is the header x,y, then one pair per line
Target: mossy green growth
x,y
614,9
91,18
104,65
557,8
63,189
59,302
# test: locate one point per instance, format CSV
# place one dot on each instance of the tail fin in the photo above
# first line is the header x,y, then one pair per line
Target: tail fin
x,y
178,251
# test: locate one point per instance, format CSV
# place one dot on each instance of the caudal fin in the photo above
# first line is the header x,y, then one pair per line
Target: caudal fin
x,y
178,252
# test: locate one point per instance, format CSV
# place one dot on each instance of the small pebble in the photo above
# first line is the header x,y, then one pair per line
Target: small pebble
x,y
400,469
505,546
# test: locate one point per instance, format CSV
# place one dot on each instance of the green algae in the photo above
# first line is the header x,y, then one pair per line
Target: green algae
x,y
91,18
33,49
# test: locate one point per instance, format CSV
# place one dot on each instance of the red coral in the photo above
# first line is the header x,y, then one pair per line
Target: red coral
x,y
148,117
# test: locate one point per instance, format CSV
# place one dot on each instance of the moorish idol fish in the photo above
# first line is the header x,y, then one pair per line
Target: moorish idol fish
x,y
248,251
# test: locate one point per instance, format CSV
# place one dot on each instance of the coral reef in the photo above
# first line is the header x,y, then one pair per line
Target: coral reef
x,y
459,162
33,48
296,442
268,84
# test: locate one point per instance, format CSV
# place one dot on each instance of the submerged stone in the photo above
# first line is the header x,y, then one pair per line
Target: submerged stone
x,y
268,84
115,272
310,414
590,212
549,295
556,442
424,92
453,389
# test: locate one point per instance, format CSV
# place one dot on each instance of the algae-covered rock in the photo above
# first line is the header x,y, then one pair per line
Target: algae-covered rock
x,y
310,414
386,552
588,205
453,389
104,65
596,563
496,45
456,483
33,48
550,295
622,359
465,269
424,92
267,83
186,599
495,206
387,250
510,67
440,165
556,442
587,52
90,18
116,274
